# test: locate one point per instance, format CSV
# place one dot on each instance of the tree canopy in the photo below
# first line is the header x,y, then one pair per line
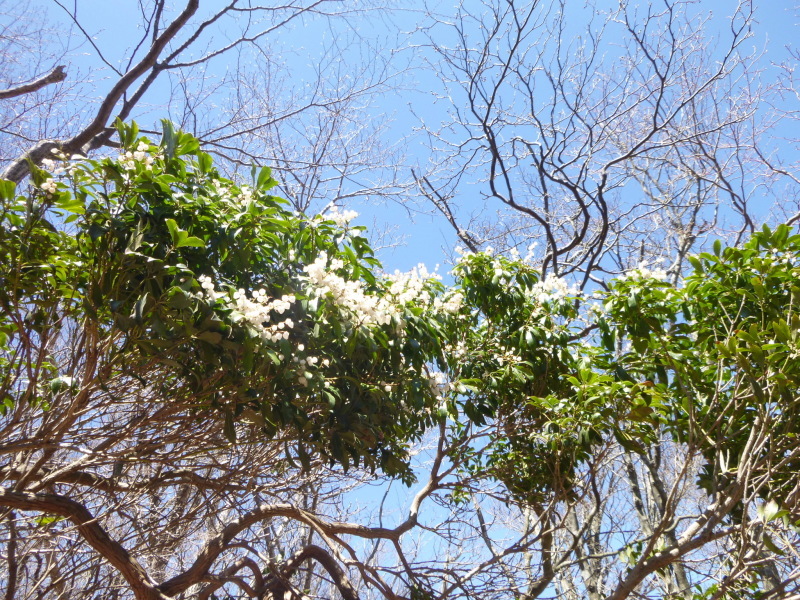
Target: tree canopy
x,y
207,391
160,320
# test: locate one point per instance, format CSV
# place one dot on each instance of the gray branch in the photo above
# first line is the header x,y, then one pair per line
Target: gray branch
x,y
55,76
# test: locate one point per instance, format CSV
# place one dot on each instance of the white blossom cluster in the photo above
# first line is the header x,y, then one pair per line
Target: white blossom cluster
x,y
52,166
257,310
507,355
245,194
439,384
349,295
410,287
458,350
452,305
56,167
231,195
642,271
49,186
342,219
552,288
129,159
531,253
305,364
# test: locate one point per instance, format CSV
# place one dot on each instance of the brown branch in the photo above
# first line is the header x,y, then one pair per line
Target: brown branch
x,y
319,554
700,532
91,531
221,580
217,544
55,76
13,565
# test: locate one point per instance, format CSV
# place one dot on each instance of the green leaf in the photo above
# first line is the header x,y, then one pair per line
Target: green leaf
x,y
7,189
771,546
181,238
264,178
769,511
186,144
192,241
45,520
173,230
168,138
70,204
212,337
139,307
204,162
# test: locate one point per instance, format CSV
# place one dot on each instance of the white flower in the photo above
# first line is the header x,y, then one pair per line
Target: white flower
x,y
552,288
49,186
643,272
342,219
258,311
364,308
245,194
452,305
129,159
530,253
438,383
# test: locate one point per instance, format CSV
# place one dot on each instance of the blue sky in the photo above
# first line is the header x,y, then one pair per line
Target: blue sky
x,y
427,238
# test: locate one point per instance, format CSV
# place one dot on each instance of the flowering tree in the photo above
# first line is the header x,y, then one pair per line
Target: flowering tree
x,y
184,360
596,139
649,439
153,308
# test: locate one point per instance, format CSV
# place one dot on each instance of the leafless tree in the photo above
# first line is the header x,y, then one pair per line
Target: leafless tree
x,y
609,135
223,74
34,79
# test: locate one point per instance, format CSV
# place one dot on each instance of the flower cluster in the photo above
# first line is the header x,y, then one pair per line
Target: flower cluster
x,y
439,384
506,355
52,166
57,166
458,350
49,186
410,287
552,288
304,366
643,272
349,295
342,219
450,306
258,310
245,194
130,159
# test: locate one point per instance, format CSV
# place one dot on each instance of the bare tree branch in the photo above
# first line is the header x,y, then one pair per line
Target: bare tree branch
x,y
57,75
